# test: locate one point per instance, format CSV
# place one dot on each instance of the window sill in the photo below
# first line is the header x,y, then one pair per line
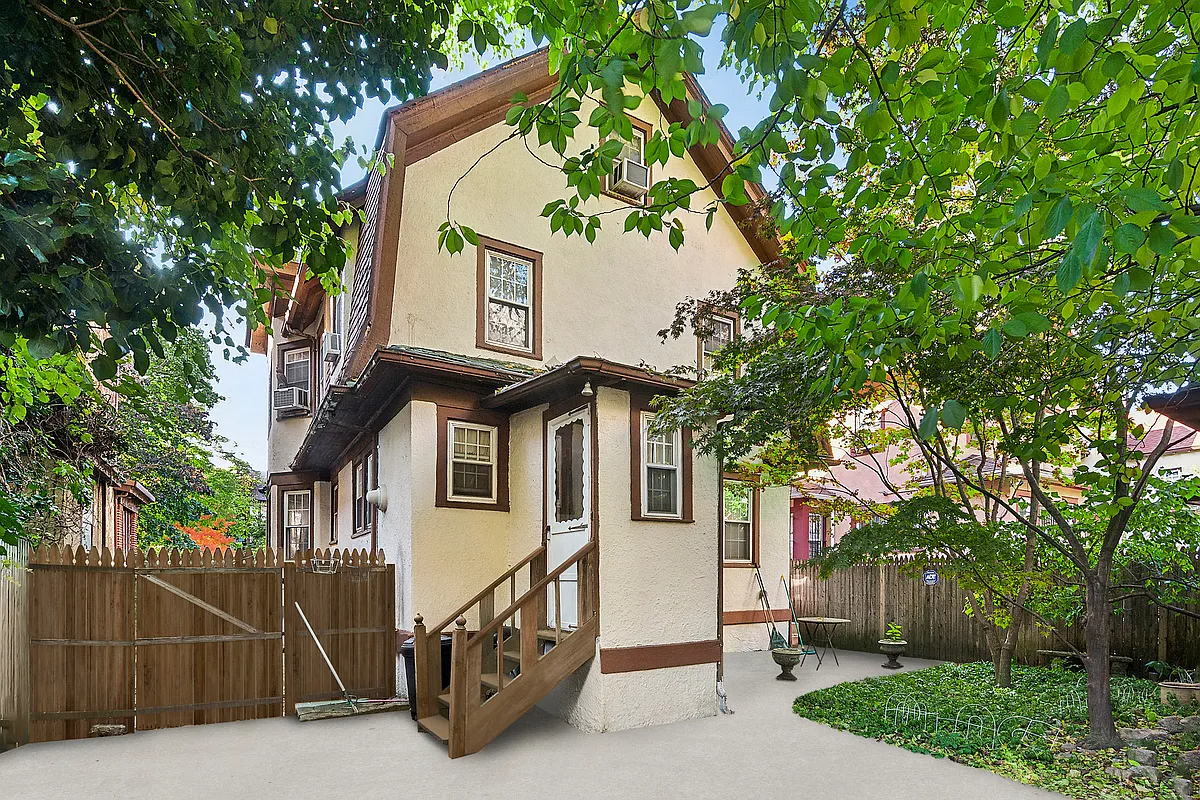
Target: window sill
x,y
360,534
282,415
629,201
652,518
739,564
467,504
535,355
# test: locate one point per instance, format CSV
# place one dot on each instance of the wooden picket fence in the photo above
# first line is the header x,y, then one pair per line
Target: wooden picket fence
x,y
168,637
934,624
14,647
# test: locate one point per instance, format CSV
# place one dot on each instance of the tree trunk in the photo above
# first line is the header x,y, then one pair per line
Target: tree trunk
x,y
1002,661
1102,732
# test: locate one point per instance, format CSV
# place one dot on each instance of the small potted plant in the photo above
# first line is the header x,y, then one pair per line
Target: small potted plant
x,y
892,645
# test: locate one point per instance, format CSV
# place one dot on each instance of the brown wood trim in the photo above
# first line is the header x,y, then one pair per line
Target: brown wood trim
x,y
280,517
755,502
300,479
639,403
535,311
647,131
334,515
658,656
368,446
446,414
709,310
755,616
378,326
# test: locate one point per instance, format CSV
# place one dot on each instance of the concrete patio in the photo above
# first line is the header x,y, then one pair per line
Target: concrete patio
x,y
761,749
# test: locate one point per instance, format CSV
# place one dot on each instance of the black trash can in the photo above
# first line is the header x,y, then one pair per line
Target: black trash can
x,y
409,654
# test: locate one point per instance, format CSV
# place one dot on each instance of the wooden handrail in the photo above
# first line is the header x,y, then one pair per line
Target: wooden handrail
x,y
491,588
513,607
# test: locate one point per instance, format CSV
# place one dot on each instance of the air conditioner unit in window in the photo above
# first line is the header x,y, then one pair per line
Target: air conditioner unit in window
x,y
331,347
630,178
291,398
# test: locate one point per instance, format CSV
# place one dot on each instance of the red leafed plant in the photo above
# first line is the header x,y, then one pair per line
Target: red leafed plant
x,y
209,534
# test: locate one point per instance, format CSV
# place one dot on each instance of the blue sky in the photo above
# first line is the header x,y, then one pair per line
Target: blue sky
x,y
242,416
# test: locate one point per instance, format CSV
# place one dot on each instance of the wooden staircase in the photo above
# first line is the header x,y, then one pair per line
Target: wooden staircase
x,y
513,660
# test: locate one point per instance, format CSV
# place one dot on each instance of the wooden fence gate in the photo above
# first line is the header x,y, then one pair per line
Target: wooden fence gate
x,y
208,637
353,612
169,638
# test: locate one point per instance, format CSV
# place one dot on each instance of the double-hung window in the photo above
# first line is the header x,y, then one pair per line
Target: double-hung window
x,y
472,462
718,332
297,521
296,367
817,528
738,517
662,480
360,479
293,381
509,291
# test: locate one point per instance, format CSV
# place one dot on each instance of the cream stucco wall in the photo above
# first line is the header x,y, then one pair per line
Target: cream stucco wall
x,y
394,529
455,551
608,299
774,552
283,435
658,585
1187,462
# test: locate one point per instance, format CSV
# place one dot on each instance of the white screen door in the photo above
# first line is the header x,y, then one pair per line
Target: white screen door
x,y
568,476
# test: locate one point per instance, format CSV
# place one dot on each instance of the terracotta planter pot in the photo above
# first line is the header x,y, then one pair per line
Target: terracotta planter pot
x,y
1184,692
893,650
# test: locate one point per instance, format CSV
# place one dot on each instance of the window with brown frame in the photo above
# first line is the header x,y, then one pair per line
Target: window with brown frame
x,y
509,303
362,475
472,460
630,167
297,521
333,511
717,329
293,390
739,522
660,467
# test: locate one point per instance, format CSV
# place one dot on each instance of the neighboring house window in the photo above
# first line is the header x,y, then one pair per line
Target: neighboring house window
x,y
509,313
361,474
472,462
662,478
817,528
718,331
738,517
333,512
1172,473
297,521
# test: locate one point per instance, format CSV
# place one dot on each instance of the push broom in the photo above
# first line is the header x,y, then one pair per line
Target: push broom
x,y
349,705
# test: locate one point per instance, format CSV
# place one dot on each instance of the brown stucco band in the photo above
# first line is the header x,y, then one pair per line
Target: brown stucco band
x,y
658,656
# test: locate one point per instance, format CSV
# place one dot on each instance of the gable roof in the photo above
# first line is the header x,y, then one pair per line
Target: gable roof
x,y
418,128
450,114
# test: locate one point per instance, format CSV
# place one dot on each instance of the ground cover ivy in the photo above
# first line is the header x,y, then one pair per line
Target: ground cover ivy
x,y
1051,695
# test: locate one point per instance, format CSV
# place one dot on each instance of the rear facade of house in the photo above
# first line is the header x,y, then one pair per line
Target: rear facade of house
x,y
466,414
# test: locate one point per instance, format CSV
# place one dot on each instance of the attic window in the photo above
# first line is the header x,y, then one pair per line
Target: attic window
x,y
630,179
